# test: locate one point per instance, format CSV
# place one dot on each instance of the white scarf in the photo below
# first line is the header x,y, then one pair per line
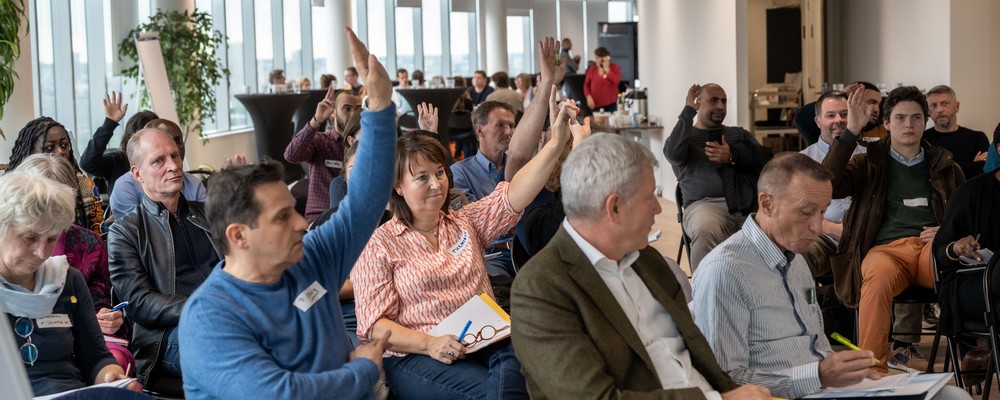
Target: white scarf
x,y
49,282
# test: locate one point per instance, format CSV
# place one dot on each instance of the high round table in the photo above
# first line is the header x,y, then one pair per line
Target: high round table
x,y
272,124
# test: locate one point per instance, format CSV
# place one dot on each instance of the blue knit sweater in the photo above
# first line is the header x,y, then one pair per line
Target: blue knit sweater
x,y
242,340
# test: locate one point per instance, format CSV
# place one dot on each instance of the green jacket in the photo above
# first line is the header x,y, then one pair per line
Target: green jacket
x,y
865,178
575,342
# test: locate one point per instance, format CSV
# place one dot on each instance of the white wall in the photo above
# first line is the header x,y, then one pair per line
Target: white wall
x,y
975,56
218,149
688,42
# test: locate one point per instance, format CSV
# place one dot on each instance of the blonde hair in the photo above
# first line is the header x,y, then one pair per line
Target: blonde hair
x,y
52,166
37,203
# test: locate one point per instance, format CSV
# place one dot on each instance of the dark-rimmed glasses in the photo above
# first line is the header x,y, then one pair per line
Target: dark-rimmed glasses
x,y
23,327
486,333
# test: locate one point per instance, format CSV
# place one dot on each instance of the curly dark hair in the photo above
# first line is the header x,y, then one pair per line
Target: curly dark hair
x,y
901,94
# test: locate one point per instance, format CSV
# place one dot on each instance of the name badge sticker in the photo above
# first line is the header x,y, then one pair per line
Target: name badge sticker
x,y
918,202
54,321
310,296
334,164
462,243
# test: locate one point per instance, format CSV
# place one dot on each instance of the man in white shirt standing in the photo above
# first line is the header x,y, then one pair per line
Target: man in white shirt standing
x,y
599,312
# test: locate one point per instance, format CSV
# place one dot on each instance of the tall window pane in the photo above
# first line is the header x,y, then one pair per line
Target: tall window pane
x,y
265,40
293,40
46,57
405,33
433,51
239,82
518,45
463,47
377,42
81,81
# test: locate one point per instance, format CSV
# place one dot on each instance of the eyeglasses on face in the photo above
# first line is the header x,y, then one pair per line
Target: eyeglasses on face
x,y
486,333
23,327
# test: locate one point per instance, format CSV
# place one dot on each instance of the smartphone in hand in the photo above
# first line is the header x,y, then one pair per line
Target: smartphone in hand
x,y
715,136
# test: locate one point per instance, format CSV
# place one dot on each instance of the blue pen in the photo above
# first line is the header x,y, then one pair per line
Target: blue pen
x,y
465,330
119,306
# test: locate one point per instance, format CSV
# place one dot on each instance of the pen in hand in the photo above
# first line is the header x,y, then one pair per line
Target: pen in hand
x,y
842,340
464,331
119,306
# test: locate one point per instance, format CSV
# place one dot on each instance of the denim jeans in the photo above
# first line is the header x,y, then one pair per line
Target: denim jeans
x,y
172,355
350,321
500,265
492,373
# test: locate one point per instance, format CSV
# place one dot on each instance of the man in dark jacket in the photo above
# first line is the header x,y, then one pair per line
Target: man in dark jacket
x,y
899,189
717,168
158,254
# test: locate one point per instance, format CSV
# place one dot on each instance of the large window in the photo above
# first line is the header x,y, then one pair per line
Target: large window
x,y
434,56
293,40
519,45
463,43
407,37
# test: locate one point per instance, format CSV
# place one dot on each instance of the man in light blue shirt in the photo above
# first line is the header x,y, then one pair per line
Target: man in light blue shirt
x,y
754,298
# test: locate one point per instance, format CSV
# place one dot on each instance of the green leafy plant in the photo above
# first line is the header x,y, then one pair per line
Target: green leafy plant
x,y
189,53
11,13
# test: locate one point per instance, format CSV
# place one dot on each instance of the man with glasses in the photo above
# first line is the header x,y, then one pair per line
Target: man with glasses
x,y
323,151
598,310
267,322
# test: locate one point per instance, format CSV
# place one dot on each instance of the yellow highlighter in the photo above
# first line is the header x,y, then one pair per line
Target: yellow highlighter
x,y
842,340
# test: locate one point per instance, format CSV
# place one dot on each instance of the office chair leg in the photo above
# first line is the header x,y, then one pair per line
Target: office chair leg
x,y
953,356
934,349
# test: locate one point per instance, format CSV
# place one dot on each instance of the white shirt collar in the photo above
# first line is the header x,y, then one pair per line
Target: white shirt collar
x,y
593,254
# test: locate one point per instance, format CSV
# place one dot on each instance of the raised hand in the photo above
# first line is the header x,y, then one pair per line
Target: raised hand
x,y
113,108
580,131
371,71
236,160
552,71
857,118
325,108
692,96
427,117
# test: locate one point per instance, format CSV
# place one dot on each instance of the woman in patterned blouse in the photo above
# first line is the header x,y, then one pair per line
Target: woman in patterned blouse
x,y
427,261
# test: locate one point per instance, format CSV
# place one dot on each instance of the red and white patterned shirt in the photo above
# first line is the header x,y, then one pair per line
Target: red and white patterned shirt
x,y
399,276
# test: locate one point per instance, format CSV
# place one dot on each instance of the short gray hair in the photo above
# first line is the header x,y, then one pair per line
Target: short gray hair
x,y
135,155
52,166
605,163
36,203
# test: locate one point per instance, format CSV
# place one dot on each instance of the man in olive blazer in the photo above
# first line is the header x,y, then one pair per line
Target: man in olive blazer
x,y
569,328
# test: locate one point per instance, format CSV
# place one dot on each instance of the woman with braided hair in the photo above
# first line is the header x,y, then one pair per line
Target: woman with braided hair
x,y
45,135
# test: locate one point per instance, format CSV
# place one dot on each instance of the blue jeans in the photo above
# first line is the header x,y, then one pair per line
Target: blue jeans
x,y
350,321
172,355
492,373
502,265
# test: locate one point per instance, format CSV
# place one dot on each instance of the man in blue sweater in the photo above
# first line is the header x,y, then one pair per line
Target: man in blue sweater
x,y
267,322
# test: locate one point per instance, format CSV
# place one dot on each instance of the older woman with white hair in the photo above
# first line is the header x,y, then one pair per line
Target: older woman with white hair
x,y
47,302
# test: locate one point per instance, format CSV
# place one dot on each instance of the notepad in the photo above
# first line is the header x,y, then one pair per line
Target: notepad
x,y
985,254
121,383
903,386
485,315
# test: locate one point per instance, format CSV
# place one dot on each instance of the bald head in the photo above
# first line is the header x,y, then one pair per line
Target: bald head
x,y
712,102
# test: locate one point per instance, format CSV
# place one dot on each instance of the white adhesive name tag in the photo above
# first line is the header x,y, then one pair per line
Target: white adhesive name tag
x,y
463,242
310,296
918,202
54,321
334,164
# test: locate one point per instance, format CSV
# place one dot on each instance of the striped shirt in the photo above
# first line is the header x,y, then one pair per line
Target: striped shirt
x,y
402,278
756,306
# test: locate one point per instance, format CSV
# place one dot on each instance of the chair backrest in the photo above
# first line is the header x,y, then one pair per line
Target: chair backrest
x,y
460,120
990,281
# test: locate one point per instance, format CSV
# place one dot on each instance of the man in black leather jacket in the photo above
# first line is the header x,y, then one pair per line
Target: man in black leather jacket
x,y
158,254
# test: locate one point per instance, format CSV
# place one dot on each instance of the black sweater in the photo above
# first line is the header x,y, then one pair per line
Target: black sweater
x,y
963,145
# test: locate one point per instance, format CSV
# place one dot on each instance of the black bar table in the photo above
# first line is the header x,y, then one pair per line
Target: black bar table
x,y
272,124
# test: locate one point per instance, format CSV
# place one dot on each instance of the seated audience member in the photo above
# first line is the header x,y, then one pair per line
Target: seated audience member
x,y
971,222
464,102
159,254
84,250
899,189
418,78
327,81
402,106
96,159
873,130
45,135
505,94
753,294
128,194
480,88
597,311
323,151
600,85
718,178
968,147
351,82
479,175
524,88
276,80
422,265
993,157
47,302
259,312
305,83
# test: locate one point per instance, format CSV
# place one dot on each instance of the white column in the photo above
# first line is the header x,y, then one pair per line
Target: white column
x,y
494,31
20,107
174,5
332,18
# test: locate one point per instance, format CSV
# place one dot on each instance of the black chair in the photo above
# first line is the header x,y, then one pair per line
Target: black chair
x,y
406,123
462,134
685,239
976,328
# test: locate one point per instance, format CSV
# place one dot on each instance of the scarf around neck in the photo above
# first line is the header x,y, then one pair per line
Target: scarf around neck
x,y
50,279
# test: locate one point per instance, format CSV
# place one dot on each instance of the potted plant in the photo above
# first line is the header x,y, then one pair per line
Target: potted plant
x,y
11,13
193,69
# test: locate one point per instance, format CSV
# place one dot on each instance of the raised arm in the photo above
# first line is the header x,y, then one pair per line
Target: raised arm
x,y
529,130
526,184
341,240
675,148
92,161
301,148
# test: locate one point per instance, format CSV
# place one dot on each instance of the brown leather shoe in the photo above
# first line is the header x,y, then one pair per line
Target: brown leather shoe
x,y
975,359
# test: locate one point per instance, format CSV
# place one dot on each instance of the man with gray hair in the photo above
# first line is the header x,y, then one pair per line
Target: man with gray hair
x,y
600,296
755,300
158,255
967,146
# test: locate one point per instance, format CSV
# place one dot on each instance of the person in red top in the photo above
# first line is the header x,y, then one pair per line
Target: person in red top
x,y
601,84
